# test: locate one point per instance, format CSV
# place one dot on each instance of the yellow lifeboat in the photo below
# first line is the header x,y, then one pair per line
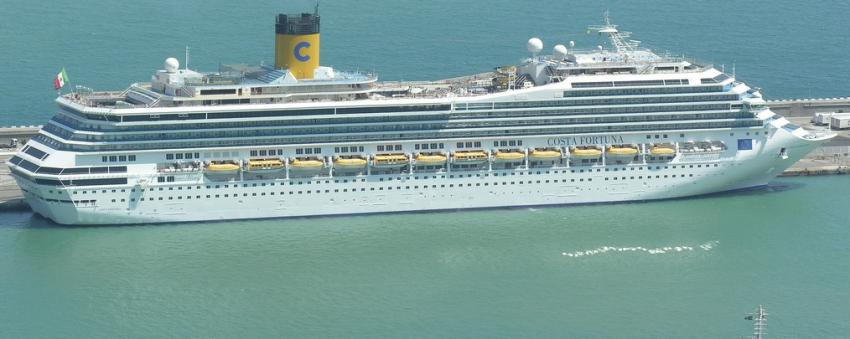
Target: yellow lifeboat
x,y
662,150
222,167
389,160
307,164
426,159
353,162
512,155
264,165
622,151
545,154
585,153
469,156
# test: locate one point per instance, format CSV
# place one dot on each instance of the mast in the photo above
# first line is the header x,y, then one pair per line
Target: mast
x,y
620,40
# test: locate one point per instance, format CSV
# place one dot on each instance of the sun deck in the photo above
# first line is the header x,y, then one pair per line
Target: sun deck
x,y
263,84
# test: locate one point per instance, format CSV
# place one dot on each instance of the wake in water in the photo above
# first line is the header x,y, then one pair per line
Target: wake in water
x,y
658,250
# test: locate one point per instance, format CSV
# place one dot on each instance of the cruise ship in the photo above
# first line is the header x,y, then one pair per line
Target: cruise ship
x,y
606,124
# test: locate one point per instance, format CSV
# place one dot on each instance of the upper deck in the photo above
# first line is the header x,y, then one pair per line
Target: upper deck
x,y
244,84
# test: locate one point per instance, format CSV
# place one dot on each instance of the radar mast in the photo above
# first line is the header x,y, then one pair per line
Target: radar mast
x,y
619,39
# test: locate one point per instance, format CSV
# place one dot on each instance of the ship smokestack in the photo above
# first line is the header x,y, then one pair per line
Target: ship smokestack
x,y
297,43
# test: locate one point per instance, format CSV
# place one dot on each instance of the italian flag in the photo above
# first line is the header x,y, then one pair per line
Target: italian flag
x,y
61,79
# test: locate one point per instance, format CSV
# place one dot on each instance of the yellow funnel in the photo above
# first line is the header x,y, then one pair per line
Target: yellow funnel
x,y
297,44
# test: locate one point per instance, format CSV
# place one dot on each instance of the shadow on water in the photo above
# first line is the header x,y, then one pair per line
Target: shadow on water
x,y
35,221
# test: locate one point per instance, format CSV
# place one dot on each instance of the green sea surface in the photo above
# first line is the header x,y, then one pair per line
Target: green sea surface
x,y
689,268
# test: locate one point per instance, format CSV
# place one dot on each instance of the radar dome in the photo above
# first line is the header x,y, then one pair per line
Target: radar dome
x,y
559,52
172,65
534,45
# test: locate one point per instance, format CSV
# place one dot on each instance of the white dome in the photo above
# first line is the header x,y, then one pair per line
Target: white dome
x,y
172,65
559,52
534,45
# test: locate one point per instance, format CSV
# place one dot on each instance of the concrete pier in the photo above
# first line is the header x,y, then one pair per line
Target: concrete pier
x,y
832,158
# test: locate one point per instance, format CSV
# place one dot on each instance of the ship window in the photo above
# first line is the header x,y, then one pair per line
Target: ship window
x,y
380,148
217,91
113,158
299,151
495,144
131,157
503,143
317,150
308,151
512,143
398,147
178,156
263,153
253,153
478,144
103,159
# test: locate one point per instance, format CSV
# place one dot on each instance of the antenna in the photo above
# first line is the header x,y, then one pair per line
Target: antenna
x,y
733,69
187,58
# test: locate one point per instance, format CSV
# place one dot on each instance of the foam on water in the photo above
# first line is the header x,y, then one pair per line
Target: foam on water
x,y
708,246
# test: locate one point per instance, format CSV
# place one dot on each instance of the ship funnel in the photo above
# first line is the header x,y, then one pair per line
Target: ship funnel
x,y
297,44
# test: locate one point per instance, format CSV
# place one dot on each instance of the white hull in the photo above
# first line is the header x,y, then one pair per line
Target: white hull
x,y
341,195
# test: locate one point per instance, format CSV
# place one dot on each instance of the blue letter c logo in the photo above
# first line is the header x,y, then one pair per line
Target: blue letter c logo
x,y
297,51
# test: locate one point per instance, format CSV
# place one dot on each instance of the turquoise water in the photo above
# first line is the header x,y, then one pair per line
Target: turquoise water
x,y
487,274
497,273
789,48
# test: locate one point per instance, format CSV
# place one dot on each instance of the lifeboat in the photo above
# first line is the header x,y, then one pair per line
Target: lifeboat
x,y
545,154
306,164
585,153
627,151
221,168
426,159
352,162
510,155
469,157
662,150
389,160
265,165
717,146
